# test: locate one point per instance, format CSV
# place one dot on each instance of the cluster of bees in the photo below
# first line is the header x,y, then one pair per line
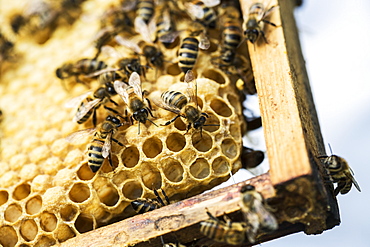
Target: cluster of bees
x,y
154,24
146,27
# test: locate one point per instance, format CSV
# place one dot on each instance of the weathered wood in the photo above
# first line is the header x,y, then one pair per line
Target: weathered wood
x,y
289,118
184,215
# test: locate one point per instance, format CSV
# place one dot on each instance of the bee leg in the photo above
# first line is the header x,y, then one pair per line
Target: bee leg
x,y
188,128
118,142
149,103
111,109
264,37
94,117
171,121
114,102
269,22
211,216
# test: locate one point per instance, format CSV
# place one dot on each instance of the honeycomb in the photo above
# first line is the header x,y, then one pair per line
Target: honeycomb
x,y
48,194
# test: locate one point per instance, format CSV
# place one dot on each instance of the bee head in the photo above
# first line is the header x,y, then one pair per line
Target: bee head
x,y
246,188
198,124
141,115
252,35
110,88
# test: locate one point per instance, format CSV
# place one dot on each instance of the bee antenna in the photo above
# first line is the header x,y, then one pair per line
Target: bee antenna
x,y
152,122
331,151
139,129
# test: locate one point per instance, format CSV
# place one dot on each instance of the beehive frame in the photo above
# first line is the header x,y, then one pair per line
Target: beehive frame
x,y
296,185
295,172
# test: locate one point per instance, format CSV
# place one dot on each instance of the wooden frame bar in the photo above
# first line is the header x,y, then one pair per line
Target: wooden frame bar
x,y
297,187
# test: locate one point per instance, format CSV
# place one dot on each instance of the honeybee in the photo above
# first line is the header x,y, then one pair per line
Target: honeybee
x,y
255,212
340,172
145,10
89,105
6,48
37,16
227,232
165,27
145,205
127,65
254,25
100,146
83,66
178,103
202,11
188,52
173,245
114,20
152,54
132,95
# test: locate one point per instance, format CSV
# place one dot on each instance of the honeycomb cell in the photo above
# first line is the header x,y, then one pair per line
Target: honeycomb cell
x,y
173,69
84,223
150,176
132,190
64,232
200,168
85,173
68,212
107,193
220,166
29,171
41,183
173,170
21,191
202,141
212,124
214,75
8,236
152,147
13,212
33,205
130,157
79,192
4,196
235,131
229,148
175,142
221,108
45,241
235,102
179,124
48,221
28,229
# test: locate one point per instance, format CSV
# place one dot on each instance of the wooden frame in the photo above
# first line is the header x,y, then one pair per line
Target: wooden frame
x,y
297,186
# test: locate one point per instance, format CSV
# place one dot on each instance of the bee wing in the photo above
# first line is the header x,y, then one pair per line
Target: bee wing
x,y
76,101
120,88
252,223
266,220
75,137
128,5
195,11
170,37
166,19
145,30
211,3
85,108
204,43
351,176
128,43
192,86
97,73
109,51
107,146
135,82
157,100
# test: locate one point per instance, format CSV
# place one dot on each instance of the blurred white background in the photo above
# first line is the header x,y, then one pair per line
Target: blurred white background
x,y
335,38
